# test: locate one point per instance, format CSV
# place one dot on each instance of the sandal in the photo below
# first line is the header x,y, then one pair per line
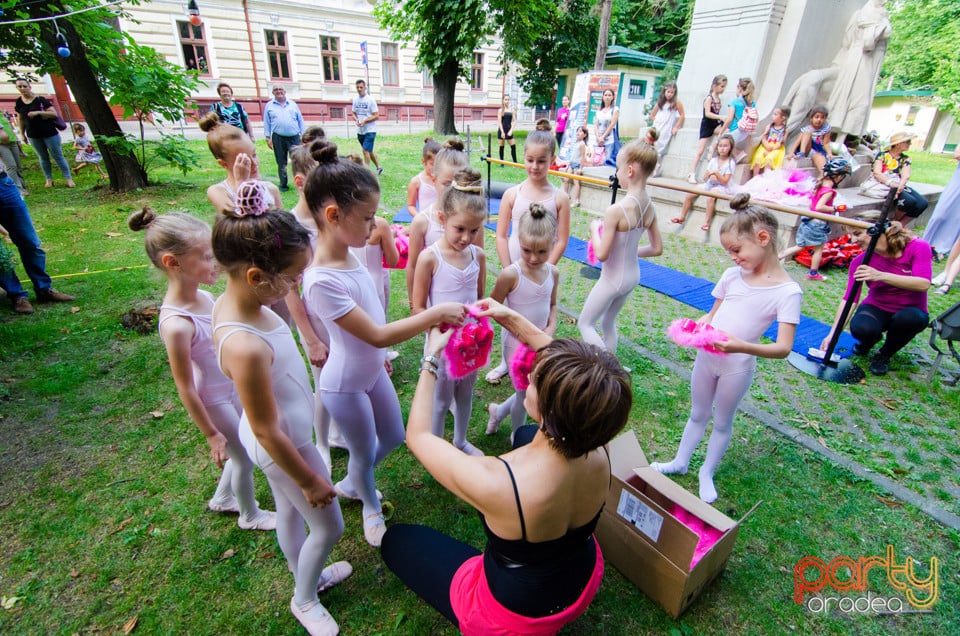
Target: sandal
x,y
705,227
942,290
677,220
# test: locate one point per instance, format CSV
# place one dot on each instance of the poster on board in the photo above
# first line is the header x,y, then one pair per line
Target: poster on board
x,y
584,103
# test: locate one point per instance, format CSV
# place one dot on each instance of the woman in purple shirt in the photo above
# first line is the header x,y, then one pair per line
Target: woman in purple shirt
x,y
563,115
897,280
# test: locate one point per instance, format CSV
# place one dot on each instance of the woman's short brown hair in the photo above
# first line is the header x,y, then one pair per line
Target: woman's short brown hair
x,y
583,395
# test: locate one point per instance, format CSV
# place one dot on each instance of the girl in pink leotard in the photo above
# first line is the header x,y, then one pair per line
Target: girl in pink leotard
x,y
422,189
354,386
179,246
264,253
426,228
623,224
454,269
539,152
529,287
749,297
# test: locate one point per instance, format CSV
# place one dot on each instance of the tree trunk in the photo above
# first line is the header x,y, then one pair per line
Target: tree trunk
x,y
606,7
444,92
122,167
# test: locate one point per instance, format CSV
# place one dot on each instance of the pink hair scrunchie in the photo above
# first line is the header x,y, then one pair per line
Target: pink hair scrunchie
x,y
521,364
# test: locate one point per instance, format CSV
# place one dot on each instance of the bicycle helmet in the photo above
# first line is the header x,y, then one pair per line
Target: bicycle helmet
x,y
837,168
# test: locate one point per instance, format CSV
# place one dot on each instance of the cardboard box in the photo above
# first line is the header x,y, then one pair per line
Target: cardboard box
x,y
649,545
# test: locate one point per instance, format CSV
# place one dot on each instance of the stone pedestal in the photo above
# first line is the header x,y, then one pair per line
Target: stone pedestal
x,y
772,42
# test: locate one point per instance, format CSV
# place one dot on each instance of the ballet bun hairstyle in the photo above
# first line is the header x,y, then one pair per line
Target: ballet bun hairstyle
x,y
642,153
583,395
301,161
451,155
464,196
543,138
543,124
537,225
172,233
430,148
337,180
747,219
252,235
219,134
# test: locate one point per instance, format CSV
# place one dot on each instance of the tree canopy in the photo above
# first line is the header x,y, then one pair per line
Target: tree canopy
x,y
658,27
924,49
447,32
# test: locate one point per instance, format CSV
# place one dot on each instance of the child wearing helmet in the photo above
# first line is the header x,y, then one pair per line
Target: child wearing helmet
x,y
815,232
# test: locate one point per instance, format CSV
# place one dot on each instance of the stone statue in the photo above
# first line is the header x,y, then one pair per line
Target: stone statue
x,y
846,86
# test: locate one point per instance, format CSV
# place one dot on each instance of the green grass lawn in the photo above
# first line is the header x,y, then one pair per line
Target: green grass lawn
x,y
104,479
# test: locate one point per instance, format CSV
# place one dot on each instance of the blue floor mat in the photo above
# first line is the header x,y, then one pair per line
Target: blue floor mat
x,y
687,289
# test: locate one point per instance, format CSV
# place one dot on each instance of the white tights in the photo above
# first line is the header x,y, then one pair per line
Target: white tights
x,y
372,426
321,420
717,384
237,476
305,553
513,406
603,304
459,393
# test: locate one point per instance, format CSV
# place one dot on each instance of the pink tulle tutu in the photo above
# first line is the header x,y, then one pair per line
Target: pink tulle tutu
x,y
690,333
787,187
707,533
469,347
521,364
402,242
591,254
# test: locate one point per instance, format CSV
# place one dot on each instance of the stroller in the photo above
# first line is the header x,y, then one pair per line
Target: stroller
x,y
947,327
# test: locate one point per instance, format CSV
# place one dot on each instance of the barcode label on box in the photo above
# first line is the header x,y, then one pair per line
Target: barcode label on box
x,y
640,515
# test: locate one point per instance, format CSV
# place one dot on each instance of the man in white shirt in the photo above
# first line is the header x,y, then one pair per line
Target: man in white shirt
x,y
366,114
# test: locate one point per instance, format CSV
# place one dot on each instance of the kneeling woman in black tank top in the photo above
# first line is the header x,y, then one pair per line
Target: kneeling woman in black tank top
x,y
538,504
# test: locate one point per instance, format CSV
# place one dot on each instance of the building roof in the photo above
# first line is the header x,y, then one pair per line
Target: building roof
x,y
617,54
920,93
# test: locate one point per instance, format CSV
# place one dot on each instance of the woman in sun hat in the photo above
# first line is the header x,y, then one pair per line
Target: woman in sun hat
x,y
891,169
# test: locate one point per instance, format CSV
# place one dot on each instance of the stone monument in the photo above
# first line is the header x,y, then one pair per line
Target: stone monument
x,y
775,42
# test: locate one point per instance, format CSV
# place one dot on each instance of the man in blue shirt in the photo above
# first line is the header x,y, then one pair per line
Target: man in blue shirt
x,y
282,126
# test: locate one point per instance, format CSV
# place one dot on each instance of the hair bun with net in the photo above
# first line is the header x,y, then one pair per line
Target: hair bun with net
x,y
251,199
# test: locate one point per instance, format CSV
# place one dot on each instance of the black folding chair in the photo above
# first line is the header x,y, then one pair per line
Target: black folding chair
x,y
946,326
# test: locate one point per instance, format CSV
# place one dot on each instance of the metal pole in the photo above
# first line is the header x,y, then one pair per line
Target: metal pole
x,y
845,371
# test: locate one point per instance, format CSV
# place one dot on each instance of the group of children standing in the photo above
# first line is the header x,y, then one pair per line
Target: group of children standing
x,y
241,376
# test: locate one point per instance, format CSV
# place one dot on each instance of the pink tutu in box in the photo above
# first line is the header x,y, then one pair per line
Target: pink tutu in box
x,y
707,533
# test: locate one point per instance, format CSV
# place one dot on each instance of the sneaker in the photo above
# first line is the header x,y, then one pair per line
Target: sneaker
x,y
860,350
315,618
22,306
229,504
815,276
263,520
880,365
51,295
692,178
374,527
284,188
334,574
379,171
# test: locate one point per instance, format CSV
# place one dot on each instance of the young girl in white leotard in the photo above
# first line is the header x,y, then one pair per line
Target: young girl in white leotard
x,y
354,386
749,297
616,247
234,151
529,287
426,228
179,246
539,152
422,189
264,253
454,269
